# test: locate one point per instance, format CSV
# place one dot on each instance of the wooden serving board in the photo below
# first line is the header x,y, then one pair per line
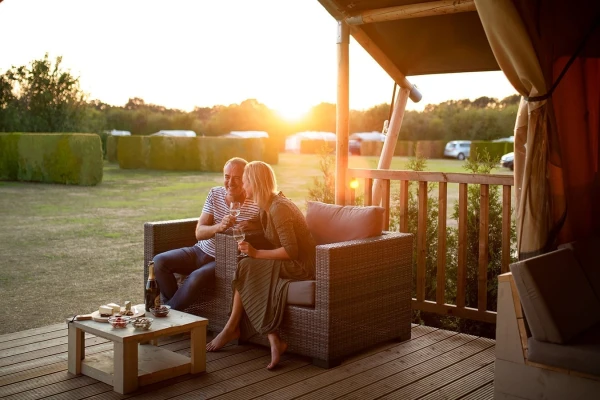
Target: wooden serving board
x,y
137,312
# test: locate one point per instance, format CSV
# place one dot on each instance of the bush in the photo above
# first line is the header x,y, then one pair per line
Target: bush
x,y
74,159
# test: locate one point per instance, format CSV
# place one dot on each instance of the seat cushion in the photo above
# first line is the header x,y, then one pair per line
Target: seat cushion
x,y
581,354
329,223
557,299
587,252
301,293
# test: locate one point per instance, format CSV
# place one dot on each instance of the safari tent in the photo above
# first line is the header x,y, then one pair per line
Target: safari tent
x,y
550,52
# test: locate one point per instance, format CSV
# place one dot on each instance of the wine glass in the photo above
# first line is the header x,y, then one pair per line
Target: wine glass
x,y
239,236
235,208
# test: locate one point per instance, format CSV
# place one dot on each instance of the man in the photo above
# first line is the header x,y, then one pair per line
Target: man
x,y
198,261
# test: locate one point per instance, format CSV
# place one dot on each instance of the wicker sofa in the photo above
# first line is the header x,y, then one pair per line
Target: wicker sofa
x,y
362,291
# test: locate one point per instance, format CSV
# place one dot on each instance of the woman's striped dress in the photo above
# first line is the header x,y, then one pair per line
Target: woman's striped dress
x,y
263,284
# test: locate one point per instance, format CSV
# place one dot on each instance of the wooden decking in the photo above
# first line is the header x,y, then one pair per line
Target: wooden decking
x,y
434,364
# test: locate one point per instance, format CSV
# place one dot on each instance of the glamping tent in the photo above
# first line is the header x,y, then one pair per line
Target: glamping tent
x,y
549,50
309,141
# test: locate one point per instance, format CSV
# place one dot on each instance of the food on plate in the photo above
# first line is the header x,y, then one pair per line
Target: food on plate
x,y
127,306
118,322
142,323
105,311
116,308
160,311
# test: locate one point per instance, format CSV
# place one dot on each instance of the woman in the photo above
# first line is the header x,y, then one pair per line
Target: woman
x,y
261,281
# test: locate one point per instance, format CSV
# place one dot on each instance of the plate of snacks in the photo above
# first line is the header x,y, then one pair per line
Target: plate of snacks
x,y
107,311
142,323
118,322
160,311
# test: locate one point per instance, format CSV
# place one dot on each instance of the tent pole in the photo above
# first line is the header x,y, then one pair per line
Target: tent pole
x,y
390,141
342,111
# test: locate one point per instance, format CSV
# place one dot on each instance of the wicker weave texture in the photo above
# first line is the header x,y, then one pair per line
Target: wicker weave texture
x,y
363,296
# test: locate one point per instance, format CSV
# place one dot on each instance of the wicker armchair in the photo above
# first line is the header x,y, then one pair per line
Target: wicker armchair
x,y
363,297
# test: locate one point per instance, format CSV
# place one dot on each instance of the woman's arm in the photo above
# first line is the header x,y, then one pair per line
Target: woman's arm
x,y
275,254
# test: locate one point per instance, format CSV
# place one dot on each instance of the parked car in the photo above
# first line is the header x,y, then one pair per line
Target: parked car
x,y
459,149
508,161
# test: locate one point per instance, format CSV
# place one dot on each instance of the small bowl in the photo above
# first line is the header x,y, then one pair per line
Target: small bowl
x,y
161,311
142,323
119,322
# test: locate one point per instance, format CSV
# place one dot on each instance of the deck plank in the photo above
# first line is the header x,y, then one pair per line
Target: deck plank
x,y
463,386
392,376
357,367
445,376
483,393
32,332
433,364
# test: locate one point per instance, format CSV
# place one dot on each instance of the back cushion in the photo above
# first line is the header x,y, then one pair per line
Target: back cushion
x,y
587,252
329,223
556,297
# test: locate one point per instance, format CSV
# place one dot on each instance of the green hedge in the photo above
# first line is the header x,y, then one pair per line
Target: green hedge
x,y
405,148
111,148
430,148
190,154
314,146
73,159
495,149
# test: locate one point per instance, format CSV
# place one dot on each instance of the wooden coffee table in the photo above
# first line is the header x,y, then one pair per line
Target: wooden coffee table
x,y
133,362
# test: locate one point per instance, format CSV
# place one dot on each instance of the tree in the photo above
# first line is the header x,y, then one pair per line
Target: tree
x,y
41,97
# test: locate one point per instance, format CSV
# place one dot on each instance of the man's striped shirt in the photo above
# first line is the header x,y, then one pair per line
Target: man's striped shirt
x,y
216,206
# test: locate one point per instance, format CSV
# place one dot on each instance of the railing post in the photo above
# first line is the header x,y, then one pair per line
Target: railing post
x,y
484,208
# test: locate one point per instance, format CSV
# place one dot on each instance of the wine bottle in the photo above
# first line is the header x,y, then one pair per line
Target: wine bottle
x,y
152,290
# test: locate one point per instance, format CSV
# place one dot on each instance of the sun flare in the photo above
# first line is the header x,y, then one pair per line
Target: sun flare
x,y
290,111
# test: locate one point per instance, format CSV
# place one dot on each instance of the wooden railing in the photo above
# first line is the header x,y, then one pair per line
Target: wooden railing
x,y
439,306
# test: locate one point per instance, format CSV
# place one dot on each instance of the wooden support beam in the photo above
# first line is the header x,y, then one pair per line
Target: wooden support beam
x,y
418,10
342,126
382,59
387,152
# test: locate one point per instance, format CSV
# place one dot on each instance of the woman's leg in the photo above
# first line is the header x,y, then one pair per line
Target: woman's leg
x,y
278,347
232,327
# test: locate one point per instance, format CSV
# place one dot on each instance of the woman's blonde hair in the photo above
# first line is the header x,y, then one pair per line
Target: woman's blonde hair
x,y
262,179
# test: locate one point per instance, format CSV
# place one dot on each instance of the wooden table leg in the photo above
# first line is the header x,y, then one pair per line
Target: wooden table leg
x,y
198,345
76,349
126,367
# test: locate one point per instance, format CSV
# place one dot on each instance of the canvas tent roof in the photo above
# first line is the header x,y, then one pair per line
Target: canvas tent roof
x,y
368,136
452,42
176,133
247,134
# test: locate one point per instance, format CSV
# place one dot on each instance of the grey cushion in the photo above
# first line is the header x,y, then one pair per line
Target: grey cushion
x,y
301,293
557,299
587,252
329,223
581,354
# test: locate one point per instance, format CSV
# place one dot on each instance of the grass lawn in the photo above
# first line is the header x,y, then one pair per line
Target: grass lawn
x,y
66,250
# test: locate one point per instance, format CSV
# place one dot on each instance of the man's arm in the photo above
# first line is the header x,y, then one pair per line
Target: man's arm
x,y
205,228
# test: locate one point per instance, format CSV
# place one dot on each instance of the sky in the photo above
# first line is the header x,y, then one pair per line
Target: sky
x,y
187,53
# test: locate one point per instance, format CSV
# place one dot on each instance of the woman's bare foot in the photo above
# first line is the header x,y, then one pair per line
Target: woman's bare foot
x,y
224,337
278,347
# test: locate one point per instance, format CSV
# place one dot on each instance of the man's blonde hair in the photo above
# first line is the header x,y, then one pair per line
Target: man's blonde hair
x,y
261,177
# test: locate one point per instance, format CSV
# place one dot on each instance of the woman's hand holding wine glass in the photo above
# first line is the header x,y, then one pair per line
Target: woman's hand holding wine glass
x,y
239,236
